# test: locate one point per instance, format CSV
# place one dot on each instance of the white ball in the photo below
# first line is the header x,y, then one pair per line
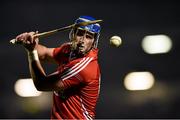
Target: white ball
x,y
115,41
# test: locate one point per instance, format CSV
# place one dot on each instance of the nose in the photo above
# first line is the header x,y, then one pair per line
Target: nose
x,y
81,39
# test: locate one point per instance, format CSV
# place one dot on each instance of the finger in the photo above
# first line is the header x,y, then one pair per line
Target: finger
x,y
32,33
21,37
28,42
30,38
36,37
36,34
33,37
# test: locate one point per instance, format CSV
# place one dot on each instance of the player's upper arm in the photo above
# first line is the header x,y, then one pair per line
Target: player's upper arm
x,y
46,54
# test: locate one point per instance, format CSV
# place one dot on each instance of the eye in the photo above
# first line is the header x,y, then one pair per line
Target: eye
x,y
82,32
89,36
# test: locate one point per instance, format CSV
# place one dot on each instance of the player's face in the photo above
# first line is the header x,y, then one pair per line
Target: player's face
x,y
84,40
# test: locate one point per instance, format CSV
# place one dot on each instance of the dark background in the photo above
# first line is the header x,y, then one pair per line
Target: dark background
x,y
130,19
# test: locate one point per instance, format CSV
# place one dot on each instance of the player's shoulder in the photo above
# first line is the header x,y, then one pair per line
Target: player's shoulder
x,y
91,59
93,54
90,72
61,52
65,46
90,66
62,48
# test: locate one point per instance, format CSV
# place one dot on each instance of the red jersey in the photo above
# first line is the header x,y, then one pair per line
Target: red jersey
x,y
81,81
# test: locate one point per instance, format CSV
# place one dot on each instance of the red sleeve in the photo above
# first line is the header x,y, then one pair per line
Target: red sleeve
x,y
59,53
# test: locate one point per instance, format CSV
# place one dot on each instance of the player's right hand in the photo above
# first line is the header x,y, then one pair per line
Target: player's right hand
x,y
28,40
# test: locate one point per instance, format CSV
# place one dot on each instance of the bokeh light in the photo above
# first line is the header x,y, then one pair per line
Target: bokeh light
x,y
26,88
156,44
139,81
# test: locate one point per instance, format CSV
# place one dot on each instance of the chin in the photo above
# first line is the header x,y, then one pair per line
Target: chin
x,y
81,52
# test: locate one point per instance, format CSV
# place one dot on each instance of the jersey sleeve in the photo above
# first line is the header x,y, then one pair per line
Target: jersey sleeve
x,y
59,53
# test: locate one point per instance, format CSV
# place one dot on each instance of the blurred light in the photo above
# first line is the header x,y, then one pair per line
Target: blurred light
x,y
139,81
154,44
26,88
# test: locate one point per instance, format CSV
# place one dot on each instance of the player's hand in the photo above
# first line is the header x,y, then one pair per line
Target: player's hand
x,y
28,40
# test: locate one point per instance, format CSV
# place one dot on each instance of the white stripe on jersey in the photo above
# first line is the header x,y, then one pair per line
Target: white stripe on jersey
x,y
77,69
77,64
56,93
85,112
72,68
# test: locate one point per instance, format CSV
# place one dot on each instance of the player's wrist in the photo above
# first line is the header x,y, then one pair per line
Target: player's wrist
x,y
33,55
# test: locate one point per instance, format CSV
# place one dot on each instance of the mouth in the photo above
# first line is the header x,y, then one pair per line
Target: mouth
x,y
80,46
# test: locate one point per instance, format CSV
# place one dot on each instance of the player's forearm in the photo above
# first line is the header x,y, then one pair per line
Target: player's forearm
x,y
42,81
36,70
